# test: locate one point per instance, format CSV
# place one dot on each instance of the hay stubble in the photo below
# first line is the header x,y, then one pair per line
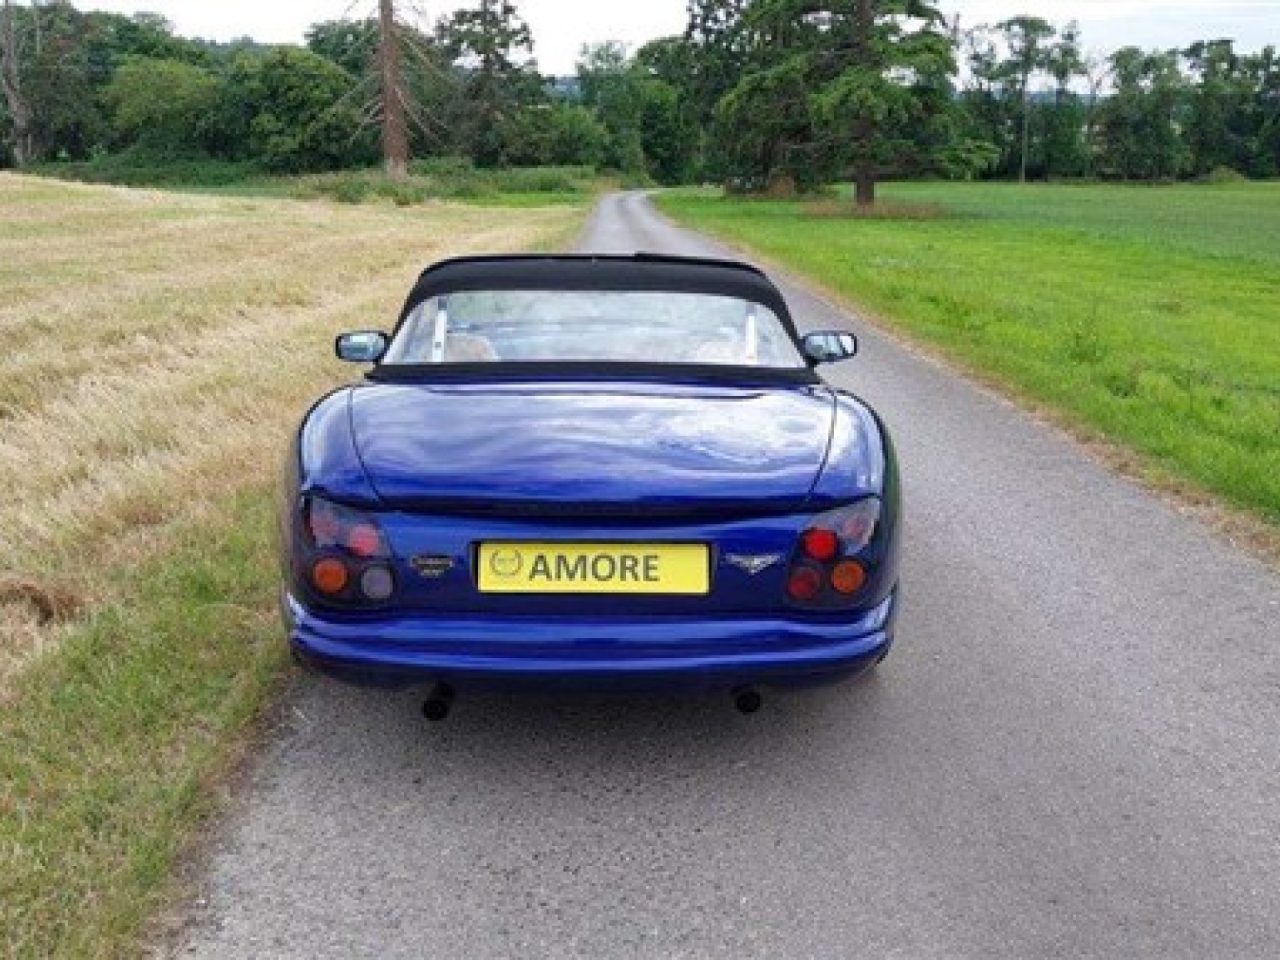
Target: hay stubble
x,y
157,350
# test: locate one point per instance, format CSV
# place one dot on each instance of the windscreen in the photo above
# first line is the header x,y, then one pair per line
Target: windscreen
x,y
593,325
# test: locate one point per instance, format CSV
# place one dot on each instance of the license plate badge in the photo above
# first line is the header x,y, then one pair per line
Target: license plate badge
x,y
594,568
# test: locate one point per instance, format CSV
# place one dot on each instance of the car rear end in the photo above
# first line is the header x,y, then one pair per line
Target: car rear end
x,y
631,477
556,598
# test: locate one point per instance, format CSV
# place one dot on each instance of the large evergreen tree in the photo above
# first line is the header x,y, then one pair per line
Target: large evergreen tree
x,y
862,86
494,46
717,57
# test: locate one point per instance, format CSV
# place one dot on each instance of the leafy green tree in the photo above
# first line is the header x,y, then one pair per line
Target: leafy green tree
x,y
1028,42
162,103
719,51
667,134
67,121
1140,123
1262,117
987,114
494,47
670,131
610,88
857,85
292,111
61,61
669,59
1223,128
351,44
648,127
573,136
765,131
717,59
15,123
1064,152
113,39
897,91
46,82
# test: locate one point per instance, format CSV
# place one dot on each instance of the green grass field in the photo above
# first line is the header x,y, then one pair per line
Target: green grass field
x,y
1148,316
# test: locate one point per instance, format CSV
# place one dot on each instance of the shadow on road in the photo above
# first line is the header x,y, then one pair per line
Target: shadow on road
x,y
498,736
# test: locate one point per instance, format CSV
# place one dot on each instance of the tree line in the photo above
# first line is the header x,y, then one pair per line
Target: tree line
x,y
761,95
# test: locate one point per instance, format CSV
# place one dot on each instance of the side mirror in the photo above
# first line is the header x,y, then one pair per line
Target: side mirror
x,y
828,346
364,346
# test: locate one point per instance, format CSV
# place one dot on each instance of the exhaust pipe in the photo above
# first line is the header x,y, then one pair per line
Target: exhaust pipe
x,y
438,703
747,699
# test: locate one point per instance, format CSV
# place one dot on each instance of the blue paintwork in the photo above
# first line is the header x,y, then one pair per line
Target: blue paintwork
x,y
743,469
325,456
641,446
693,652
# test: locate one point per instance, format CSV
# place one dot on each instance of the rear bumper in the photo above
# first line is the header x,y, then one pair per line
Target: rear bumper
x,y
659,653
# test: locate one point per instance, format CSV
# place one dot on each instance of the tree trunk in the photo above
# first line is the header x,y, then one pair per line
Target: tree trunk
x,y
11,87
1026,125
864,189
864,132
395,137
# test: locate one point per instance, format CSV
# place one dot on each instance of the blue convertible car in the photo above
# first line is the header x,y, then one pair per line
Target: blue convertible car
x,y
597,471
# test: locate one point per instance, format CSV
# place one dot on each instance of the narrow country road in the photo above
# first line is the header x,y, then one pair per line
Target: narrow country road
x,y
1074,751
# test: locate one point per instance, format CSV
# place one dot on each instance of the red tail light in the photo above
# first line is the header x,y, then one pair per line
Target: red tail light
x,y
365,540
804,582
345,554
820,543
333,526
830,568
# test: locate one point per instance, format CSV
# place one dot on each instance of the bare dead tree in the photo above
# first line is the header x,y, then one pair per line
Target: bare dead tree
x,y
392,107
11,86
395,136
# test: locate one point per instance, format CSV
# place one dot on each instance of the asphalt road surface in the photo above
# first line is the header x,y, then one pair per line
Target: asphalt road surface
x,y
1074,751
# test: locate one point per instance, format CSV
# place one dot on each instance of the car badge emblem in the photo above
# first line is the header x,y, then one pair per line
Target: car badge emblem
x,y
432,566
506,563
752,564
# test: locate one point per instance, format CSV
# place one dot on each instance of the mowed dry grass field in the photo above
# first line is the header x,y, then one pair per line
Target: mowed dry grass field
x,y
158,347
157,350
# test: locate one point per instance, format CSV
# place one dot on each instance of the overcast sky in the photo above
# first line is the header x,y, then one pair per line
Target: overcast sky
x,y
560,27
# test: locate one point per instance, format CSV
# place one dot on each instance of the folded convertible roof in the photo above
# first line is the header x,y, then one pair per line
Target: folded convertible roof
x,y
640,272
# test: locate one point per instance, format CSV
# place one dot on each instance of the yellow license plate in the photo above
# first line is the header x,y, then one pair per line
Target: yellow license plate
x,y
664,568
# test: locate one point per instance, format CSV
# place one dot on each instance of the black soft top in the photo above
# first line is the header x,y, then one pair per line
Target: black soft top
x,y
639,272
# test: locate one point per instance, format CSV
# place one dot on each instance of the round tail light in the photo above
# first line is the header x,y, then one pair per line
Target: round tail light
x,y
848,577
364,540
804,583
820,544
377,584
330,576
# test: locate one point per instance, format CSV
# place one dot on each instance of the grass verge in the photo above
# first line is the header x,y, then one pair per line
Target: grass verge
x,y
112,748
160,348
1145,317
